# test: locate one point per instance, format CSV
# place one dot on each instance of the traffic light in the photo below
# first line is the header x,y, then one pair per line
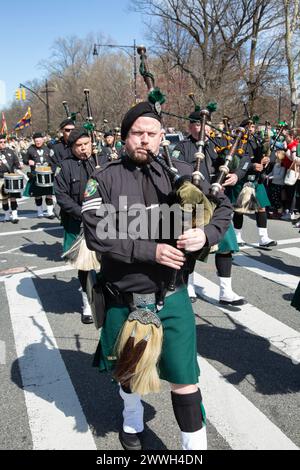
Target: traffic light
x,y
23,94
18,94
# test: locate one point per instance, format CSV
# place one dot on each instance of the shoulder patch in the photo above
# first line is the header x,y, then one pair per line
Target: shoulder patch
x,y
57,171
90,188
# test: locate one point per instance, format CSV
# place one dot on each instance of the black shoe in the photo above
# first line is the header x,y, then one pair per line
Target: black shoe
x,y
87,319
193,299
269,244
15,221
51,217
130,441
232,302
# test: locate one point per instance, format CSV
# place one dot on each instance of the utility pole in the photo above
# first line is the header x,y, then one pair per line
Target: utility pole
x,y
45,103
47,91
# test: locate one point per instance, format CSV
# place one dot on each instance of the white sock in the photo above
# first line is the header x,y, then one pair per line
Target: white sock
x,y
263,235
6,215
194,440
86,305
14,215
190,286
133,413
40,212
226,292
50,210
238,233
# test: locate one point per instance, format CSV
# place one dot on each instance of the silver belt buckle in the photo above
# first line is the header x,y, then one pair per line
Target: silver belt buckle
x,y
141,300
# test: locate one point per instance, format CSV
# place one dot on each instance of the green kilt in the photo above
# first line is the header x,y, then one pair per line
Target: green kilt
x,y
229,242
260,193
296,298
32,190
178,361
71,231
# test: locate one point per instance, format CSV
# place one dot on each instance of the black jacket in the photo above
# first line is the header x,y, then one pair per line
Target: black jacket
x,y
61,152
42,155
186,150
126,262
9,162
69,185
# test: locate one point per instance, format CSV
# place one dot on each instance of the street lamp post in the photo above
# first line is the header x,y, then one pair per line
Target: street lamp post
x,y
95,53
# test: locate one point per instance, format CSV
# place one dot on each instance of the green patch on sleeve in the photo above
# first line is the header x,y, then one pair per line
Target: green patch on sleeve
x,y
91,188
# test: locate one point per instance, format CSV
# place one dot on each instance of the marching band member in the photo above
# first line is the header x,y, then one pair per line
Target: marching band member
x,y
186,150
135,271
62,149
39,153
9,162
258,161
69,185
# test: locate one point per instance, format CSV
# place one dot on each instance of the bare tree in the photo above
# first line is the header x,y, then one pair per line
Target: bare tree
x,y
292,29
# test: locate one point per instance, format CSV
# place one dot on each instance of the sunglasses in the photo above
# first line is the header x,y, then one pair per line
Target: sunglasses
x,y
68,130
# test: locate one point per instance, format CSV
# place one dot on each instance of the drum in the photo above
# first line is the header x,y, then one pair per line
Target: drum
x,y
13,183
44,176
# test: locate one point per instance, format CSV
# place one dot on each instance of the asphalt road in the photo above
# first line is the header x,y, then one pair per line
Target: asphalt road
x,y
52,398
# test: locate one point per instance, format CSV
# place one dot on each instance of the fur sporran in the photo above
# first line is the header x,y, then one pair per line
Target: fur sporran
x,y
80,257
138,349
246,202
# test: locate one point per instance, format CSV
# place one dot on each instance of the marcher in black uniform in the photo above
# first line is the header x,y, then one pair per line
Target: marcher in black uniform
x,y
138,268
69,185
39,153
62,149
258,161
108,151
9,162
186,151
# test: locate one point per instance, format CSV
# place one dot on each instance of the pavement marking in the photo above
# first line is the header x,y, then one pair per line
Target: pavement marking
x,y
27,272
287,241
279,335
235,418
18,232
17,248
294,251
267,271
55,415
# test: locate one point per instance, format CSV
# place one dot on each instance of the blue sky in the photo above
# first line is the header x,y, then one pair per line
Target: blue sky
x,y
29,28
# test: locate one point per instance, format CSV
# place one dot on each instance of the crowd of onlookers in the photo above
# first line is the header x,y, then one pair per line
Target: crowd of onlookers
x,y
284,191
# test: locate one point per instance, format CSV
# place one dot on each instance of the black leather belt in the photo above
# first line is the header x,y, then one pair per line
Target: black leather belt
x,y
114,296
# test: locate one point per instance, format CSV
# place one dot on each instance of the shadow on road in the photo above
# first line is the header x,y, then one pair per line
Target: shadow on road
x,y
249,355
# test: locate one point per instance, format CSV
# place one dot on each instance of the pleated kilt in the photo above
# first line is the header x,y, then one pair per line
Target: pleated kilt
x,y
233,192
32,190
229,242
178,361
71,232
